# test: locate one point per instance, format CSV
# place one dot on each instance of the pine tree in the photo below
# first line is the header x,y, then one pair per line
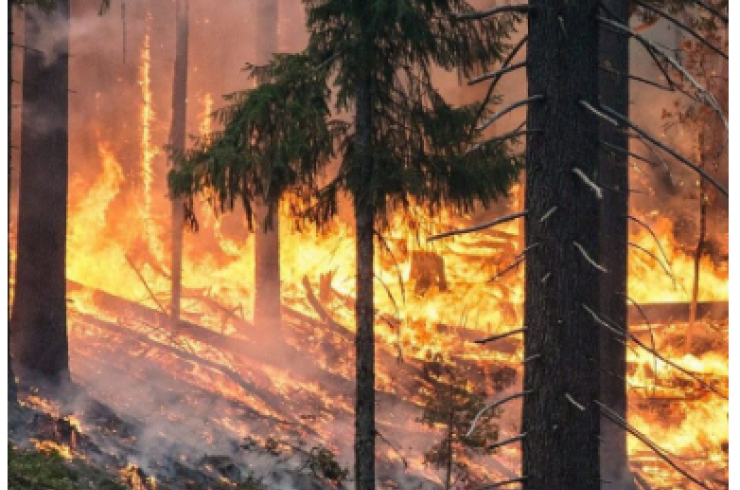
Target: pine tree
x,y
39,310
267,292
452,405
560,418
407,144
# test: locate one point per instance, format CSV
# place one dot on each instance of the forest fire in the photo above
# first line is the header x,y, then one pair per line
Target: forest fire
x,y
214,383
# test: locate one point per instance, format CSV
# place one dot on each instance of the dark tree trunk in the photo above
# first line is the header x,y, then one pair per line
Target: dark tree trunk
x,y
364,312
178,132
12,388
614,176
560,418
39,310
267,294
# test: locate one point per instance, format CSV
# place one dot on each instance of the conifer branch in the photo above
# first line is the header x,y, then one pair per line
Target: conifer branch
x,y
483,226
653,234
498,73
504,9
517,260
508,109
589,259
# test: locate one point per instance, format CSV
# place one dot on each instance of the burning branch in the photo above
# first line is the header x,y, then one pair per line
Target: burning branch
x,y
483,226
614,418
508,109
494,405
501,336
589,259
514,9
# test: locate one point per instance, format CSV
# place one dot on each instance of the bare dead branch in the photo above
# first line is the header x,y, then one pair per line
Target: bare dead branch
x,y
652,233
575,403
517,260
505,9
707,97
603,116
497,74
642,344
650,330
663,266
682,26
666,148
503,483
501,336
505,442
595,188
589,259
549,213
638,79
512,54
494,405
483,226
508,109
614,418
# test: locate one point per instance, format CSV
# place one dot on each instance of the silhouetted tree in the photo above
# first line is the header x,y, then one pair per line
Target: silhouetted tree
x,y
407,144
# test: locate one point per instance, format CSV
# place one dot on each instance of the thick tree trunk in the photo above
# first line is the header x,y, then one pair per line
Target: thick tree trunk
x,y
614,176
267,293
178,132
364,311
560,418
39,310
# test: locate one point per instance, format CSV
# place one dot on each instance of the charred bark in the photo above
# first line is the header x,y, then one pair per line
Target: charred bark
x,y
614,175
364,307
561,451
177,141
267,293
39,310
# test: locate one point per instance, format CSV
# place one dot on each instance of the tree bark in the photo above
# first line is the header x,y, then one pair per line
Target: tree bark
x,y
364,311
614,176
39,310
178,132
12,387
267,292
561,451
